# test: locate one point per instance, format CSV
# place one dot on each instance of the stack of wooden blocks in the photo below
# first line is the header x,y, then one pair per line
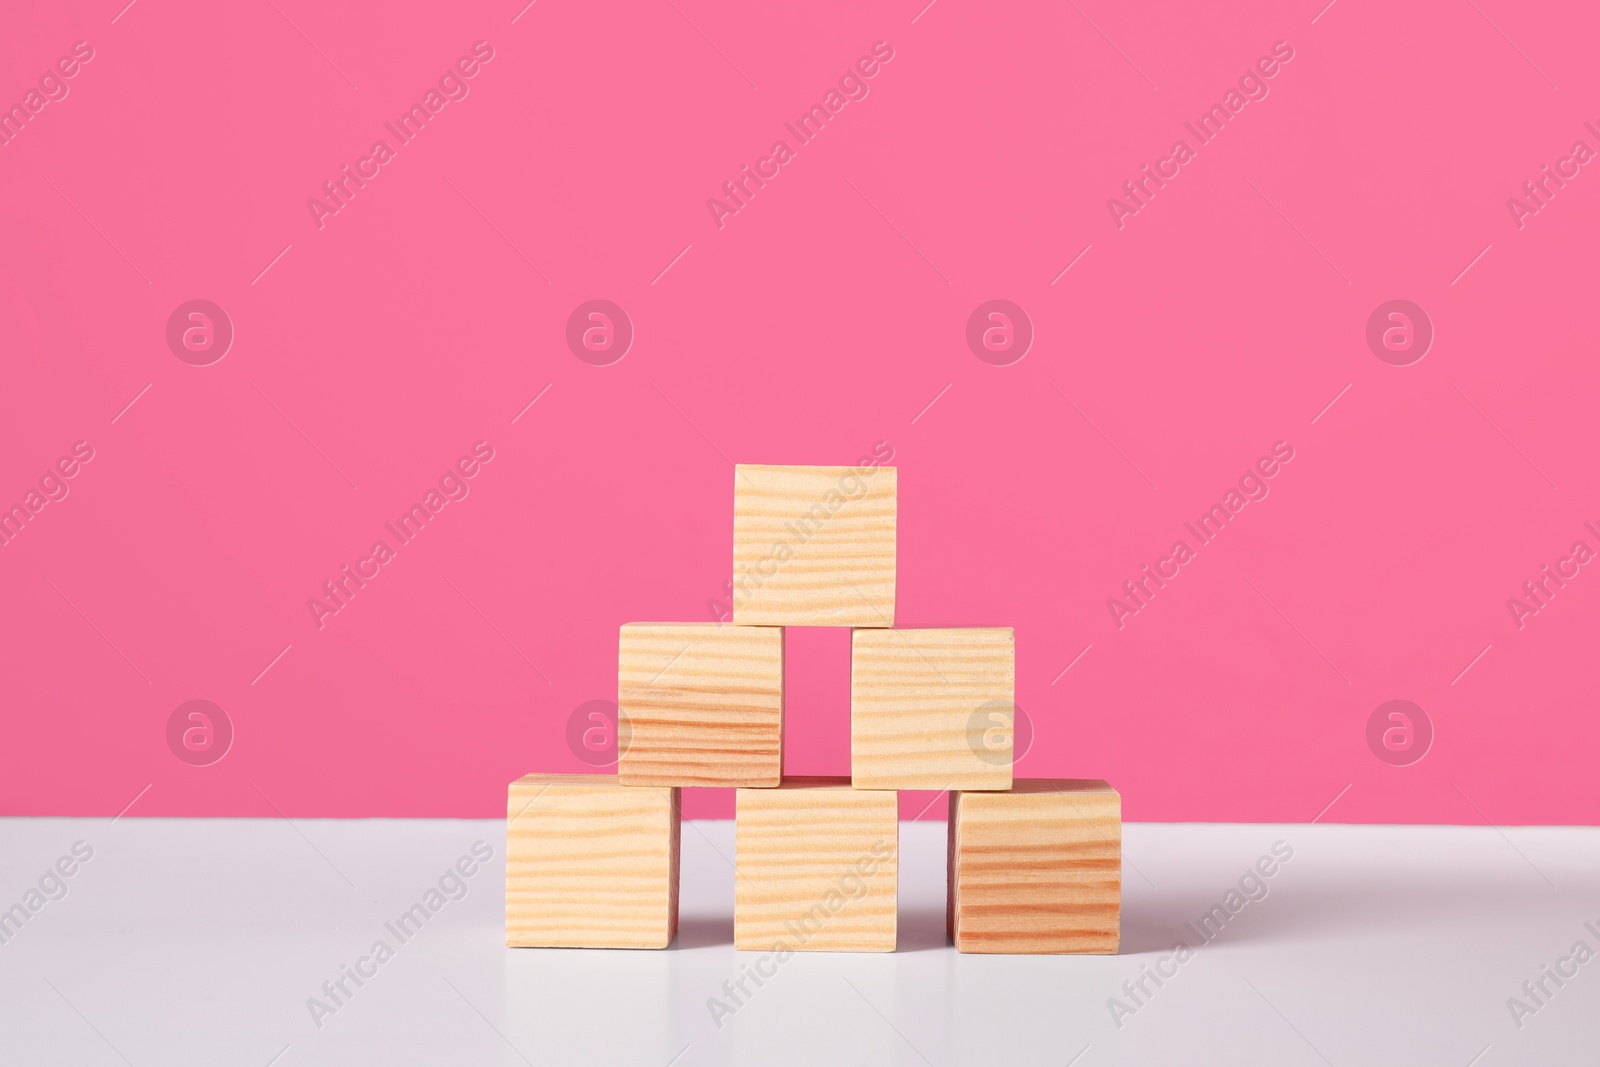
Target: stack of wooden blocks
x,y
1034,864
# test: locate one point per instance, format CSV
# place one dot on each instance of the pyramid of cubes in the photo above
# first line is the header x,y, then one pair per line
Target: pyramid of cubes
x,y
1034,864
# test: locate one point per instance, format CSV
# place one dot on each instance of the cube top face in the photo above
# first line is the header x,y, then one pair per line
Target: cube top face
x,y
530,785
813,546
700,704
590,863
1075,788
1037,869
932,709
817,868
816,781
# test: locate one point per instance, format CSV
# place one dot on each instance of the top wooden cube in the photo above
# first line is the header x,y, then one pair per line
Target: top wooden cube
x,y
813,546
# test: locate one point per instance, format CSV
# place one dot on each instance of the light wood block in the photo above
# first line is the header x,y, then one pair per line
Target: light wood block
x,y
813,546
590,863
816,867
700,704
1036,869
932,709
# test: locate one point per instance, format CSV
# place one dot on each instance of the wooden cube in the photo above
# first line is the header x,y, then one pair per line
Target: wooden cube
x,y
700,704
816,867
813,546
1036,869
590,863
932,709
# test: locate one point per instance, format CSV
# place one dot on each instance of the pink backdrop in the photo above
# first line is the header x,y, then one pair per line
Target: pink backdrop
x,y
572,157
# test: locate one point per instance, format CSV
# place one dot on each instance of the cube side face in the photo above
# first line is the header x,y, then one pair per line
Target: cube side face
x,y
699,704
952,847
817,869
814,546
1036,872
590,863
932,709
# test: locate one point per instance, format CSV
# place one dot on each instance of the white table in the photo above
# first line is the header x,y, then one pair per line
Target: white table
x,y
200,942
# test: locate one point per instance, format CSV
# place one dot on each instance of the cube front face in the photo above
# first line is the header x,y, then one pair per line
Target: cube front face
x,y
1037,869
932,709
813,546
700,704
590,863
817,868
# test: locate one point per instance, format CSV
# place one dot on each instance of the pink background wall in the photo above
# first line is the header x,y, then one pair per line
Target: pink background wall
x,y
823,317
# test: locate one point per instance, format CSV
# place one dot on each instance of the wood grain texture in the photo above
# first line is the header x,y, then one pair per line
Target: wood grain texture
x,y
816,867
813,546
1037,869
700,704
932,709
590,863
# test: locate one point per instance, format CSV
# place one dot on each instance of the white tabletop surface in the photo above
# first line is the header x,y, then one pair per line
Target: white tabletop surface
x,y
201,942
